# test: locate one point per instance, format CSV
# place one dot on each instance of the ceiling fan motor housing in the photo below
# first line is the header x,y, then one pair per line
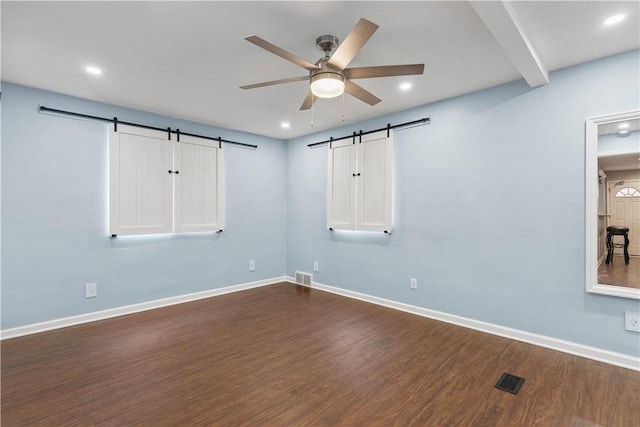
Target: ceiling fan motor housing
x,y
327,43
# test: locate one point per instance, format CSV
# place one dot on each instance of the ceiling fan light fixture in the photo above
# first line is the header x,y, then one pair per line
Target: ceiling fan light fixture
x,y
327,84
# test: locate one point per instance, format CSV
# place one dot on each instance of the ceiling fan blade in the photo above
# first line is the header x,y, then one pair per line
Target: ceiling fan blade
x,y
282,53
308,101
384,71
276,82
352,44
362,94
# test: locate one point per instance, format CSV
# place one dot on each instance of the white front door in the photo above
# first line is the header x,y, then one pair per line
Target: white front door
x,y
624,208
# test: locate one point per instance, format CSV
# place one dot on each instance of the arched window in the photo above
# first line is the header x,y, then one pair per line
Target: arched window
x,y
628,192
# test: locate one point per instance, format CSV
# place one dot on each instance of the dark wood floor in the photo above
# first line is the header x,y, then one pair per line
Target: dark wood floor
x,y
620,274
283,355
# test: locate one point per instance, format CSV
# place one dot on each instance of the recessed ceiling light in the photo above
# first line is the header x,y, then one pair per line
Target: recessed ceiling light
x,y
623,132
285,125
93,70
615,19
623,126
405,86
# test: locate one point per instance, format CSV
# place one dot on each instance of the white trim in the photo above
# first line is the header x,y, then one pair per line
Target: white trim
x,y
616,359
591,208
600,355
130,309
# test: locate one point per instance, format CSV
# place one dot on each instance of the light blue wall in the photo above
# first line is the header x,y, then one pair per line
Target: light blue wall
x,y
54,216
488,211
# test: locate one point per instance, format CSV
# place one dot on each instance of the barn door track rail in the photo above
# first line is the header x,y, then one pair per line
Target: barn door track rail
x,y
116,122
422,121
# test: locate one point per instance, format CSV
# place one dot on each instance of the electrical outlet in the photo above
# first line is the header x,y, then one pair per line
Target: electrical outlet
x,y
91,290
414,283
632,321
252,265
316,266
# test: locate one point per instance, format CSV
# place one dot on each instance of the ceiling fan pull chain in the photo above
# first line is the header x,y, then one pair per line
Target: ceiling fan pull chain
x,y
311,109
343,106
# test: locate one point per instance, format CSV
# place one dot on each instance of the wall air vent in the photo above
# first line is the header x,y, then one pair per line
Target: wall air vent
x,y
303,279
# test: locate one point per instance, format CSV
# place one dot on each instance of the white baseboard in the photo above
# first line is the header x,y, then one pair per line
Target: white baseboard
x,y
130,309
616,359
600,355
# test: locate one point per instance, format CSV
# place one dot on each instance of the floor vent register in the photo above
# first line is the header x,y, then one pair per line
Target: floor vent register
x,y
510,383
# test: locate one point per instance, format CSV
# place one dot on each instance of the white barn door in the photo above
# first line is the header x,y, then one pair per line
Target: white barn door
x,y
375,160
141,189
198,185
360,183
341,189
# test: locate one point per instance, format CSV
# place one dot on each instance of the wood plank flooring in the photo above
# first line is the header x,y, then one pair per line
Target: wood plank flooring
x,y
620,274
284,355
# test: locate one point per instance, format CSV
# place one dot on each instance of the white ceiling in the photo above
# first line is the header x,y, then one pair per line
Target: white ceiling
x,y
620,162
614,127
609,162
188,59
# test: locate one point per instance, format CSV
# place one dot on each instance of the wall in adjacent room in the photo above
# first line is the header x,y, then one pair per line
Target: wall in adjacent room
x,y
488,211
623,175
54,215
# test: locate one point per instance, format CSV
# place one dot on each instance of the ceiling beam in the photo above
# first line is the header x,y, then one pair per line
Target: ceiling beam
x,y
502,21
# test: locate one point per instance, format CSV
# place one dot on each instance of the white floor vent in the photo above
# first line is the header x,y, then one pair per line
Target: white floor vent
x,y
303,279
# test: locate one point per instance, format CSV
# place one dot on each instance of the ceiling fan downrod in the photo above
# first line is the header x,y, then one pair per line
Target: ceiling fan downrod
x,y
327,43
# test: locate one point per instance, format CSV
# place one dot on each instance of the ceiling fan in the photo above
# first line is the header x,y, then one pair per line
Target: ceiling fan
x,y
329,76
